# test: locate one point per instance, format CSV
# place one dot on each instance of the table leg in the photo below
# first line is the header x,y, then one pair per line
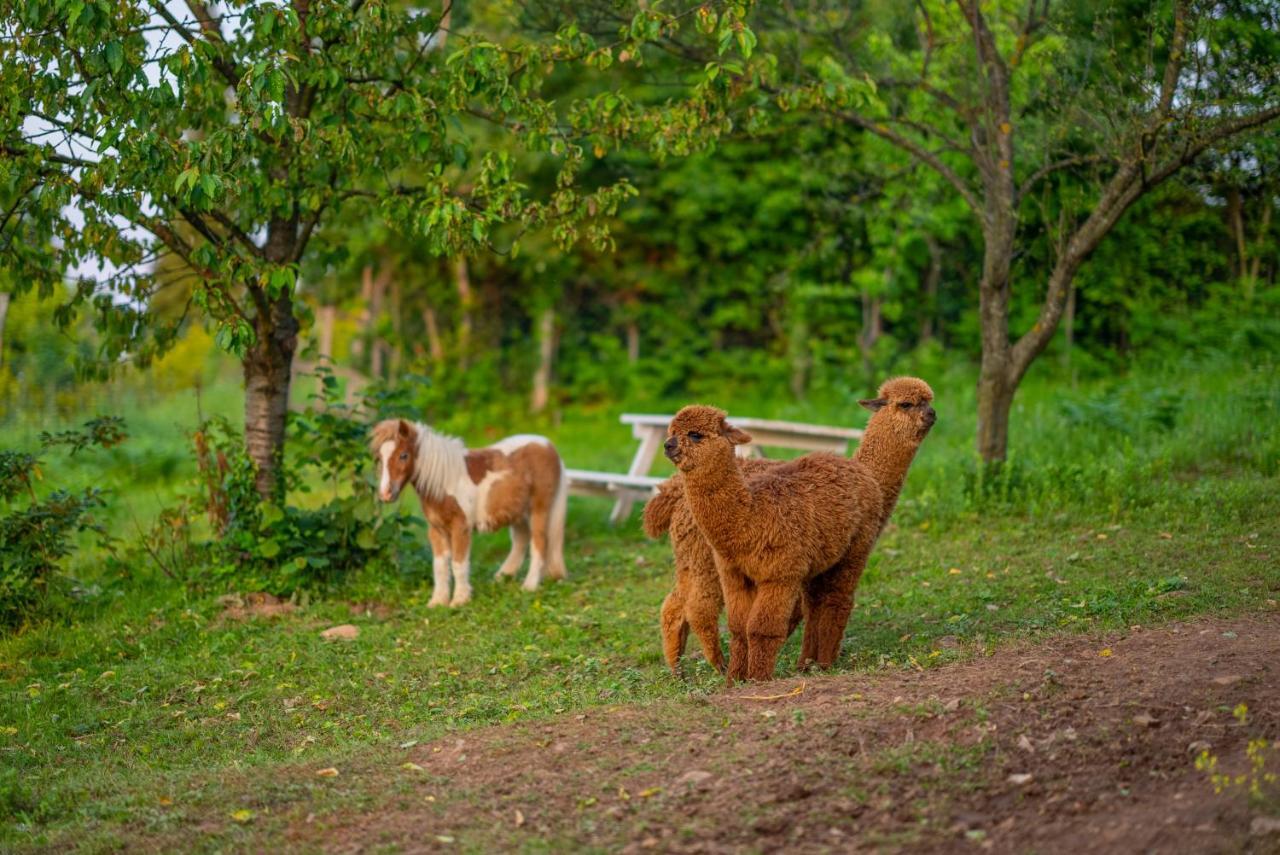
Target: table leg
x,y
645,454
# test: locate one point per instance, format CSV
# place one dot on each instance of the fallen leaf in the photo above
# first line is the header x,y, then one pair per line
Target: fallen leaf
x,y
1144,720
243,815
1166,535
651,791
1020,778
444,838
342,632
1025,744
411,766
165,801
327,773
8,730
1104,652
519,818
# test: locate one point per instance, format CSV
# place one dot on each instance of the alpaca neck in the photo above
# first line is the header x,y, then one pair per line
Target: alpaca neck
x,y
720,502
888,458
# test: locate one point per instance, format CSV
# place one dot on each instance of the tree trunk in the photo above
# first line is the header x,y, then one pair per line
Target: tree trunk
x,y
434,345
995,400
326,321
375,291
1255,267
466,299
546,353
1235,216
1069,327
4,313
929,325
633,342
268,369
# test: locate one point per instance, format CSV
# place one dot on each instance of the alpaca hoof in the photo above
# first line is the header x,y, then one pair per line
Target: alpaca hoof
x,y
460,599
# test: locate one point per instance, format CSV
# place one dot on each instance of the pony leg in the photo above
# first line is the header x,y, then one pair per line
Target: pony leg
x,y
538,561
519,544
555,529
767,627
439,567
461,543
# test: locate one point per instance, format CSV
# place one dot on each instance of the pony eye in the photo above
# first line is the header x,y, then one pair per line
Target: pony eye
x,y
404,455
695,436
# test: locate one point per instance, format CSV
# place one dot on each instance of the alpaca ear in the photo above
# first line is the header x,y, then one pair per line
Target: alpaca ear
x,y
733,434
873,404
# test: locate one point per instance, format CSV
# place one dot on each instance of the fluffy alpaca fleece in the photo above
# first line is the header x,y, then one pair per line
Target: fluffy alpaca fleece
x,y
518,482
799,531
695,600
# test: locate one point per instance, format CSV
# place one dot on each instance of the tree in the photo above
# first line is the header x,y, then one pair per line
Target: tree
x,y
228,136
1001,99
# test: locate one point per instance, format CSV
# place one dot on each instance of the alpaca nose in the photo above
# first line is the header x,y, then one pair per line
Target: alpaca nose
x,y
670,447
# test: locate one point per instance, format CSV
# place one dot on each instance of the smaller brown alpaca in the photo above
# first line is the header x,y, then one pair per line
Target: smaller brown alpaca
x,y
695,600
800,531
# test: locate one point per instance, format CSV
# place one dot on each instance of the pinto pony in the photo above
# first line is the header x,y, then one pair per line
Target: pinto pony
x,y
518,482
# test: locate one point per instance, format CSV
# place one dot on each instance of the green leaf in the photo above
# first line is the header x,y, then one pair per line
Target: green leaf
x,y
268,549
366,539
115,56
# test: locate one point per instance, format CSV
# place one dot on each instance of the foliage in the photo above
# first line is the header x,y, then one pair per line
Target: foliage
x,y
37,532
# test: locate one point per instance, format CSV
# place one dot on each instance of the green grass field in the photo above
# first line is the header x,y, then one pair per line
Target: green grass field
x,y
128,709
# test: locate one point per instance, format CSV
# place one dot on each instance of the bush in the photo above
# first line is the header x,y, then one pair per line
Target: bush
x,y
37,533
283,549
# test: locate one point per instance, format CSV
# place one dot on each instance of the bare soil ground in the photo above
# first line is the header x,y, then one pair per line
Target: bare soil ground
x,y
1070,742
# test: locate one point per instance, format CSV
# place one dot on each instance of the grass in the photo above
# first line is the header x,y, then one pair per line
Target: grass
x,y
141,708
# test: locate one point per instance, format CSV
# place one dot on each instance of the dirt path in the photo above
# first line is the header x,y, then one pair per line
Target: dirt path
x,y
1073,742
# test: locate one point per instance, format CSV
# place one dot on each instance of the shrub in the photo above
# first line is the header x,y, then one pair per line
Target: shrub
x,y
38,533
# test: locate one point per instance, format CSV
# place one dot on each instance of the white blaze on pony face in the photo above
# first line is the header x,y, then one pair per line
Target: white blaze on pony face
x,y
384,483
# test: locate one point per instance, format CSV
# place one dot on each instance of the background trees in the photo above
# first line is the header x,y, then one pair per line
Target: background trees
x,y
827,189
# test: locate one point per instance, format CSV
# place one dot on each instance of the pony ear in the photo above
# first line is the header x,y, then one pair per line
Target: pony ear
x,y
402,429
733,434
873,404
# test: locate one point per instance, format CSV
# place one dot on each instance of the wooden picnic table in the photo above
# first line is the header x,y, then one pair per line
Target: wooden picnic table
x,y
637,485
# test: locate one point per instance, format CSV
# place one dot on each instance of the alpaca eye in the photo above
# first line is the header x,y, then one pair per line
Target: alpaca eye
x,y
905,405
695,436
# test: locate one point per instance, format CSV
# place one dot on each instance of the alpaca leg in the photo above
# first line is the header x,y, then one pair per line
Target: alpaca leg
x,y
775,602
439,567
702,610
519,545
675,629
738,594
538,561
811,600
835,607
461,543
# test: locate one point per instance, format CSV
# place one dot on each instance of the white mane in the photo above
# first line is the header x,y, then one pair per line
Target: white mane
x,y
442,462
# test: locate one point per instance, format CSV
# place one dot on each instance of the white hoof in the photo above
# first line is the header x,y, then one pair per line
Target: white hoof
x,y
504,573
436,602
460,599
530,584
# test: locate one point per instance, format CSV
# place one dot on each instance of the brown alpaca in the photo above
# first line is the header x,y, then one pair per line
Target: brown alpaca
x,y
799,531
695,600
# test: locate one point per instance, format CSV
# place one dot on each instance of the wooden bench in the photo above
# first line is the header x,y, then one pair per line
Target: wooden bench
x,y
637,485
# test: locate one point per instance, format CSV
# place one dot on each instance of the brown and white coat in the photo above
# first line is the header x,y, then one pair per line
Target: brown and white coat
x,y
518,483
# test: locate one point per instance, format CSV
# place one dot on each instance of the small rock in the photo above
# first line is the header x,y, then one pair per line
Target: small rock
x,y
694,777
1025,744
952,705
949,642
1264,825
1020,779
1227,679
1199,745
344,632
1229,634
1144,720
